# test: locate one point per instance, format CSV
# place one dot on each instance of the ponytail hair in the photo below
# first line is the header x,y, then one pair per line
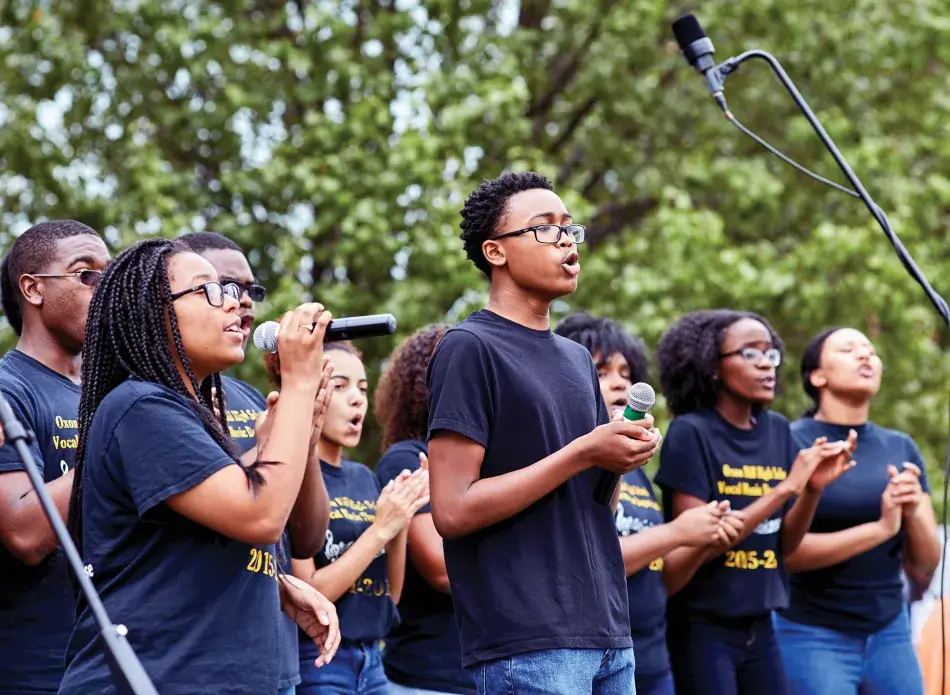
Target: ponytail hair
x,y
811,360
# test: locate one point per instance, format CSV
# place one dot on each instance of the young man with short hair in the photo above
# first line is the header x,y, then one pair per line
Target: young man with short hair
x,y
518,437
46,284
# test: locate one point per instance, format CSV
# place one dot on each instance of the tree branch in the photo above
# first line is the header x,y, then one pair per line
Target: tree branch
x,y
613,217
532,13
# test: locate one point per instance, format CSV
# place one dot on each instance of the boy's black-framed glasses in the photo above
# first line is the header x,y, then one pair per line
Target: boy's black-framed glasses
x,y
551,233
255,292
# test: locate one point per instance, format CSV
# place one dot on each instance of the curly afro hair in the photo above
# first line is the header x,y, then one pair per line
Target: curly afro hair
x,y
688,357
485,209
401,400
603,338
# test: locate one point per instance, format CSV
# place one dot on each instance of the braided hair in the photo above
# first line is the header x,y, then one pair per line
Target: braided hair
x,y
811,360
485,208
126,337
688,357
401,400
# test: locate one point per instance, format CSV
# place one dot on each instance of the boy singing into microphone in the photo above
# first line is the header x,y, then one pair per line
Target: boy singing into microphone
x,y
518,437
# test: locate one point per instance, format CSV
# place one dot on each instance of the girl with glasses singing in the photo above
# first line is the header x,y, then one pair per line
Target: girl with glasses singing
x,y
718,373
846,630
177,534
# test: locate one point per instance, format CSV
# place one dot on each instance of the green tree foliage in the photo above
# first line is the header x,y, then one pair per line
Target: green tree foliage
x,y
337,139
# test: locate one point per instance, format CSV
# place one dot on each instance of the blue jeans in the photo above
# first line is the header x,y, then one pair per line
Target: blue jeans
x,y
558,672
356,669
396,689
655,684
725,657
292,690
820,661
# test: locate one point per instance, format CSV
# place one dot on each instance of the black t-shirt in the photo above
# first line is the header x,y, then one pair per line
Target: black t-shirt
x,y
707,457
638,511
551,576
366,611
36,603
864,594
424,650
243,405
202,609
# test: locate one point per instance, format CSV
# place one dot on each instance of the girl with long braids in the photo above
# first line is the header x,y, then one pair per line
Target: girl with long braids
x,y
177,534
423,652
361,565
846,630
718,373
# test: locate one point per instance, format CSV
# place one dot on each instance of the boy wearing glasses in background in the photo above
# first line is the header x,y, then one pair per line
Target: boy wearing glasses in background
x,y
306,530
46,284
518,437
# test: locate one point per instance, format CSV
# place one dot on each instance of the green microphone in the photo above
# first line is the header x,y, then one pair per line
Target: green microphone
x,y
640,398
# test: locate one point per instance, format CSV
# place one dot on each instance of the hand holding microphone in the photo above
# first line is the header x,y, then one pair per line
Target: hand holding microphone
x,y
299,340
624,445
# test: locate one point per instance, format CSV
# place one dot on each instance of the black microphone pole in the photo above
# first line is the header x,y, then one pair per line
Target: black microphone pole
x,y
127,672
732,64
690,36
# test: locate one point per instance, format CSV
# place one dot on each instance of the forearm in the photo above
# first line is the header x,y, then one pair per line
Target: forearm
x,y
488,501
284,446
335,579
32,537
396,565
798,520
762,509
820,550
640,549
310,516
921,546
680,565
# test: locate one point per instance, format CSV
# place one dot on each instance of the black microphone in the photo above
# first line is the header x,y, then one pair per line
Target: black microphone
x,y
265,336
698,50
640,398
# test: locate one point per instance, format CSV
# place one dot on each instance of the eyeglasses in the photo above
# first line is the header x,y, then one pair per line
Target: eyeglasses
x,y
89,278
755,355
551,233
215,292
255,292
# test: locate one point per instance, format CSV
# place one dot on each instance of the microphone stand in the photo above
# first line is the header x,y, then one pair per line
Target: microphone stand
x,y
127,672
732,64
715,78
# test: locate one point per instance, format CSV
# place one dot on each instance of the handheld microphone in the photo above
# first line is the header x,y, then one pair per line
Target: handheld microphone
x,y
640,398
265,335
698,50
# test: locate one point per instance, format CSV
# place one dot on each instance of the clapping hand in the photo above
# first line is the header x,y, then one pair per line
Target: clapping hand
x,y
905,488
313,613
834,460
821,464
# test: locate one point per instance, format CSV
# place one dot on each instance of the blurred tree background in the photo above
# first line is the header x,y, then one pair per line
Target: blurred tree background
x,y
336,140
